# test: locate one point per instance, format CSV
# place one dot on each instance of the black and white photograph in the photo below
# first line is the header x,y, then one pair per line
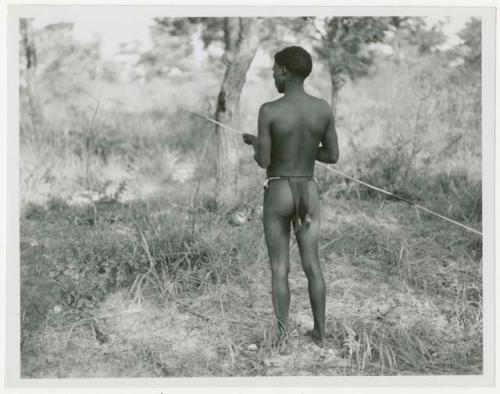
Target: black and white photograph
x,y
250,196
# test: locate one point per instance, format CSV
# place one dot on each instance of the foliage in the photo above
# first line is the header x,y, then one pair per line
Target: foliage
x,y
343,45
416,33
64,62
172,50
470,48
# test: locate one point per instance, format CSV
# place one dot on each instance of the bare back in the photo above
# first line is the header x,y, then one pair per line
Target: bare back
x,y
298,124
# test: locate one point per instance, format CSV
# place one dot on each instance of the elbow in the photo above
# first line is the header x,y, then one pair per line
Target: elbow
x,y
333,158
263,163
329,156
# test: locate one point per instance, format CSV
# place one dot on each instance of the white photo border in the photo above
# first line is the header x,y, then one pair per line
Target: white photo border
x,y
12,296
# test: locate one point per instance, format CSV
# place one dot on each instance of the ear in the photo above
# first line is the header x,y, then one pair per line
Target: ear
x,y
284,70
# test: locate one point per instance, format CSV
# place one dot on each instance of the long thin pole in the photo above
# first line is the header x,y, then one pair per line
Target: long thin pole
x,y
353,179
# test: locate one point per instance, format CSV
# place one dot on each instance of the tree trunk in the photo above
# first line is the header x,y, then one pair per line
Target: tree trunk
x,y
335,76
336,85
227,109
396,46
29,52
231,34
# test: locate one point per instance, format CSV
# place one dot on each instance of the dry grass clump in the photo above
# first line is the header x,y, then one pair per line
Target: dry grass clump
x,y
191,254
382,347
439,263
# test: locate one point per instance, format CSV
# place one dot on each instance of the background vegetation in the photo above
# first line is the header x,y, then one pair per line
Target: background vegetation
x,y
131,266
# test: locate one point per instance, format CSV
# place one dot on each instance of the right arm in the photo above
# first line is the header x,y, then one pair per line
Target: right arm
x,y
328,152
262,143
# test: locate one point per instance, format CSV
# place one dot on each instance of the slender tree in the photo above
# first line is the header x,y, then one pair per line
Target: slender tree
x,y
343,45
241,49
29,53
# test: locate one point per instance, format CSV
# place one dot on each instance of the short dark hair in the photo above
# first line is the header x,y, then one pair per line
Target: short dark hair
x,y
296,59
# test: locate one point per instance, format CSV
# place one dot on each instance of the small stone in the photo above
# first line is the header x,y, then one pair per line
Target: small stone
x,y
239,218
252,347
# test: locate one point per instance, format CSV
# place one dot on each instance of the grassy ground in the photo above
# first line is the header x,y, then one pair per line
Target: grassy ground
x,y
162,286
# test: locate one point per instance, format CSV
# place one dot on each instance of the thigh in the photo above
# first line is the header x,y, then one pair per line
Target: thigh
x,y
308,236
278,206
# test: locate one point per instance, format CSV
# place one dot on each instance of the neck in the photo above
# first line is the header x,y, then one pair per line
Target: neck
x,y
294,86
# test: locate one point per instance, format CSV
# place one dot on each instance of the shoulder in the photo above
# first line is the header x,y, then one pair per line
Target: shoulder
x,y
321,104
325,106
269,105
322,108
268,108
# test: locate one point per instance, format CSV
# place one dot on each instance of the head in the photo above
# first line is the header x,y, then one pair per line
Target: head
x,y
291,63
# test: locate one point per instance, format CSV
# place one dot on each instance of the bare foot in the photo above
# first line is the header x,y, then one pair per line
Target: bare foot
x,y
316,338
281,344
285,348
